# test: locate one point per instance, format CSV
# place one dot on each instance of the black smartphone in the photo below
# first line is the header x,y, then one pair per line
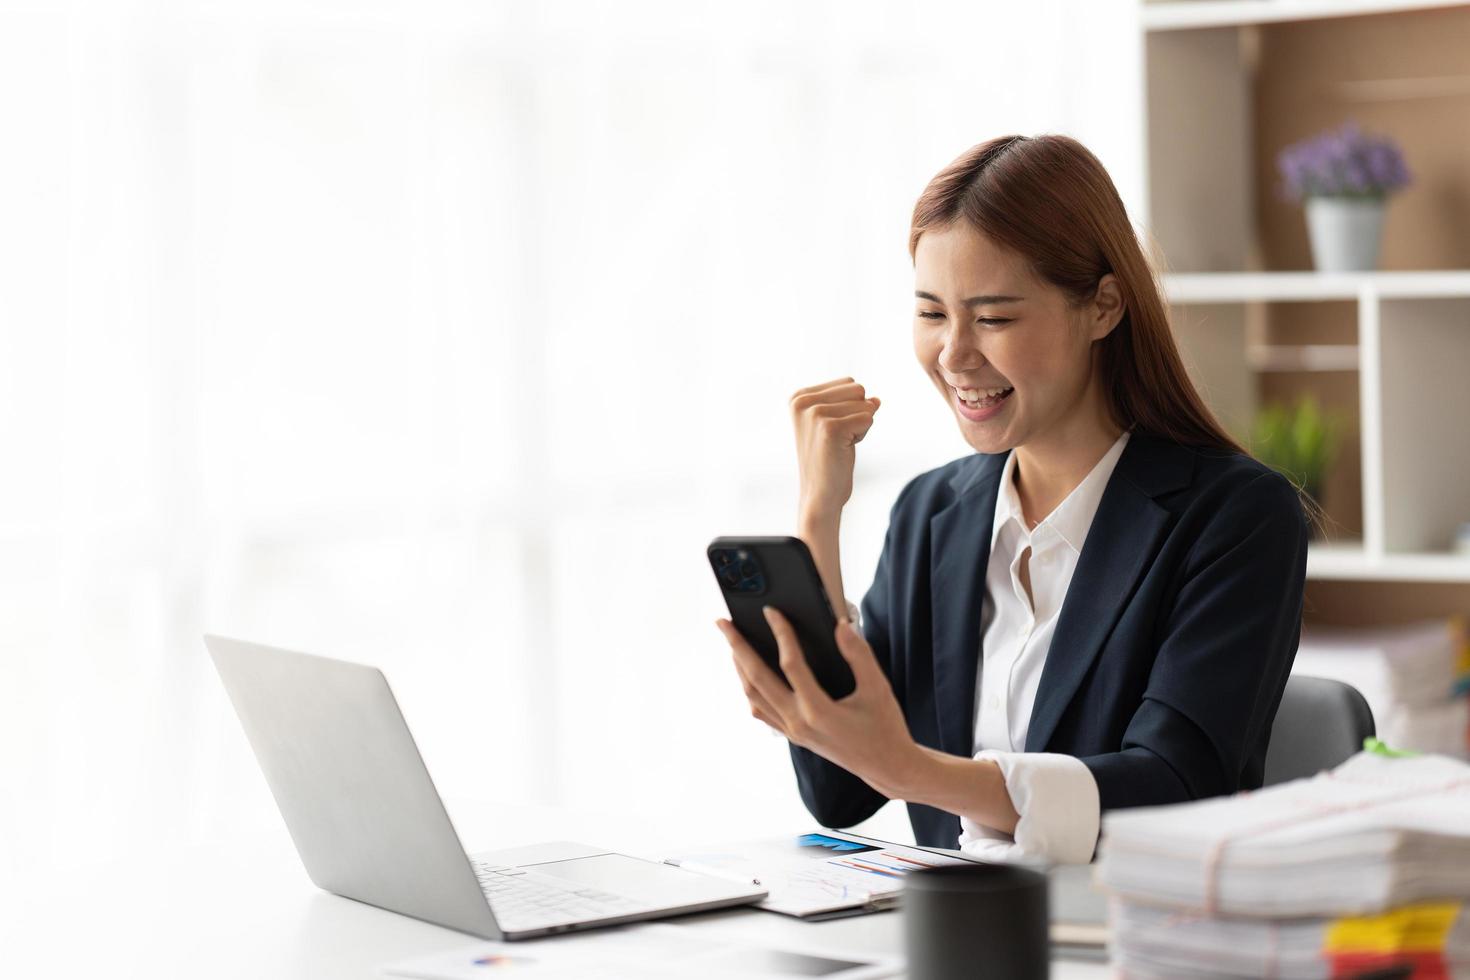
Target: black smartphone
x,y
779,571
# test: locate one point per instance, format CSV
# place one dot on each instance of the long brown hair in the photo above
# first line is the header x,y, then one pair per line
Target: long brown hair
x,y
1050,200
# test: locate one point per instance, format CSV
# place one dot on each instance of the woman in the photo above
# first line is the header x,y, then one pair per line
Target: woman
x,y
1099,609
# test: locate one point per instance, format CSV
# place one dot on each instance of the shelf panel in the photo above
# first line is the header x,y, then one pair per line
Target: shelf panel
x,y
1190,14
1250,287
1424,347
1351,562
1303,357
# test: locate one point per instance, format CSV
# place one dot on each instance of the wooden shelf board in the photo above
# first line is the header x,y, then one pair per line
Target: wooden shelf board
x,y
1193,14
1351,562
1248,287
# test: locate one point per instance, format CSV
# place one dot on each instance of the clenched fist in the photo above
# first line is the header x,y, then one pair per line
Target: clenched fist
x,y
830,419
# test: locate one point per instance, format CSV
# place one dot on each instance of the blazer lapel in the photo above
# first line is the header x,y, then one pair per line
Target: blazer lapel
x,y
1120,544
959,550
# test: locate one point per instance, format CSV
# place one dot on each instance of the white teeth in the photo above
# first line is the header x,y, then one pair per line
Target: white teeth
x,y
973,395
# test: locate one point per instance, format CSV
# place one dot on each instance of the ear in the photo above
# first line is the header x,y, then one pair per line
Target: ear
x,y
1106,309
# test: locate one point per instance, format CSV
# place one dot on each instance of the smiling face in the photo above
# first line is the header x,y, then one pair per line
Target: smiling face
x,y
1011,358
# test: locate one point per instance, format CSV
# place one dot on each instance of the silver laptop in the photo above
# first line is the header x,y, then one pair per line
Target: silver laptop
x,y
369,824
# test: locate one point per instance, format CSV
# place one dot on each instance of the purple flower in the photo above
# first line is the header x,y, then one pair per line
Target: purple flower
x,y
1346,163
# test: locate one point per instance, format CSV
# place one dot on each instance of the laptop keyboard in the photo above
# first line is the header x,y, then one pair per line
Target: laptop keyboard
x,y
524,900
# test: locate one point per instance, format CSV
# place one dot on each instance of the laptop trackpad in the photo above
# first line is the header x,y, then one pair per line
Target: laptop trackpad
x,y
645,881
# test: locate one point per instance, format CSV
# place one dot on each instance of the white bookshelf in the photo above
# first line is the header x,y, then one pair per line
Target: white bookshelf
x,y
1412,349
1250,287
1345,562
1176,15
1413,364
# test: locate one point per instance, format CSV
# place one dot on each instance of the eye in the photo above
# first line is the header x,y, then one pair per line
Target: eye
x,y
989,321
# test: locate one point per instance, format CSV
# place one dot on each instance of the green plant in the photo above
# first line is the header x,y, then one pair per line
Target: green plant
x,y
1299,442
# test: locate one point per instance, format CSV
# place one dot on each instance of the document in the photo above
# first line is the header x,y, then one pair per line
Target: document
x,y
655,951
818,875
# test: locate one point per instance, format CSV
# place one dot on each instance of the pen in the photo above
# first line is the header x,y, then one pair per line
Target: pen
x,y
714,871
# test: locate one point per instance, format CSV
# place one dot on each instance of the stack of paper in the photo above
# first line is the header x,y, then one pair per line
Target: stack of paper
x,y
1366,864
1407,674
1433,938
817,876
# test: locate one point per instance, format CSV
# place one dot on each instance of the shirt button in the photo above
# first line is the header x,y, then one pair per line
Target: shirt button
x,y
995,701
1024,631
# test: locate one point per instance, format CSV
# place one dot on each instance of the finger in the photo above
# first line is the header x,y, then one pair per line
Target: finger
x,y
813,389
775,727
836,393
761,708
757,674
854,426
852,406
759,705
793,660
758,702
851,391
858,654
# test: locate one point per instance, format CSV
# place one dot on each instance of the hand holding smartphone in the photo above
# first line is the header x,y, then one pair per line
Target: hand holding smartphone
x,y
755,572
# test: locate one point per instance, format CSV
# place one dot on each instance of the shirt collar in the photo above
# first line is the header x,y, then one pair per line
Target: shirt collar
x,y
1073,516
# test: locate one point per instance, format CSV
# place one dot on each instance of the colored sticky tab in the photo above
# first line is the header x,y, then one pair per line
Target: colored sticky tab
x,y
1380,747
1419,928
1462,632
1421,966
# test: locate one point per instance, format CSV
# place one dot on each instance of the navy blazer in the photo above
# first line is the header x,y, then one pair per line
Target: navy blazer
x,y
1171,649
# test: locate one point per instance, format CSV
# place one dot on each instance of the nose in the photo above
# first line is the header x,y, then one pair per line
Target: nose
x,y
961,352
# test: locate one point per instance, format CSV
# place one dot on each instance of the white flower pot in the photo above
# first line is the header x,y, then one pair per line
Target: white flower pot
x,y
1345,233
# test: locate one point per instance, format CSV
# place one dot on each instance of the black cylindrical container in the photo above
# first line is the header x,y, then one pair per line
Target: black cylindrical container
x,y
976,920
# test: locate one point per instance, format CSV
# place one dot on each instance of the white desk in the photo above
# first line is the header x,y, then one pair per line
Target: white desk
x,y
247,910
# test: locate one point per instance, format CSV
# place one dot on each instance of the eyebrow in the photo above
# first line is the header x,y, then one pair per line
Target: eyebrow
x,y
973,300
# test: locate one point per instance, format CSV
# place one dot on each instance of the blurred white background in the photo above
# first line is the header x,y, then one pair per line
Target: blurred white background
x,y
443,336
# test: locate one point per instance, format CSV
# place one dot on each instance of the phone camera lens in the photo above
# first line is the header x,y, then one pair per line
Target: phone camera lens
x,y
738,570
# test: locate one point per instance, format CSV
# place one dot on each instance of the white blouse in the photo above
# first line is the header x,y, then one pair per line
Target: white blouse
x,y
1054,794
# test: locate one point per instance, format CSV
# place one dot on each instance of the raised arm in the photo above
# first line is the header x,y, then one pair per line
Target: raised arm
x,y
829,420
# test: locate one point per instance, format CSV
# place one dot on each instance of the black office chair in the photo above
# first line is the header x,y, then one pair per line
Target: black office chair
x,y
1319,724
